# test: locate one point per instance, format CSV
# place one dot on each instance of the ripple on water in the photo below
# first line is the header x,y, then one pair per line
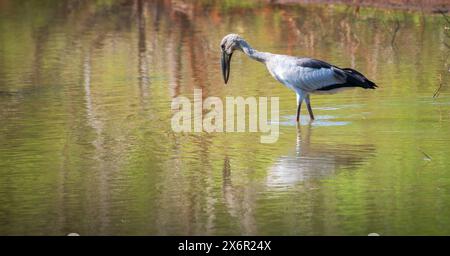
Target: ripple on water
x,y
321,120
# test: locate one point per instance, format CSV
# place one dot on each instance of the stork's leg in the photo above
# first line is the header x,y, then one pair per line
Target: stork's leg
x,y
299,106
308,104
298,111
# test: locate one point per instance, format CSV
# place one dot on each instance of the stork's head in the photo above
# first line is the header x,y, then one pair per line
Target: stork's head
x,y
230,43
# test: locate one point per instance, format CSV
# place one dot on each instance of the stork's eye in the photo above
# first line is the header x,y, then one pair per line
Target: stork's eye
x,y
223,47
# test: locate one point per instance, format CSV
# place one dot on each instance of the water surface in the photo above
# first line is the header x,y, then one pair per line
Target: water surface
x,y
86,144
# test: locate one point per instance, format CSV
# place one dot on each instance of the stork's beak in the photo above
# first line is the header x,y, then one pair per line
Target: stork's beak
x,y
226,59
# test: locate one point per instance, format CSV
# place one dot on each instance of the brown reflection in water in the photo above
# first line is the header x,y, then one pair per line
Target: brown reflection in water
x,y
142,52
188,50
240,201
307,33
304,31
189,43
185,40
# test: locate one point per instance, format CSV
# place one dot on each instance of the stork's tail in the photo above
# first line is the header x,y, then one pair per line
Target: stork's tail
x,y
357,79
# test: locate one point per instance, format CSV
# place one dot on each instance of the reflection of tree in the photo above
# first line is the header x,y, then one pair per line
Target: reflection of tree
x,y
189,43
240,201
142,50
418,5
78,48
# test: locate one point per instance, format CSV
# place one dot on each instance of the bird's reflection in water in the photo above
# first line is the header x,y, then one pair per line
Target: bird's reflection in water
x,y
306,161
315,160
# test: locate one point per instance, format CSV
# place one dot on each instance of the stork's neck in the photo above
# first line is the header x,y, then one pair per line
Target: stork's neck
x,y
252,53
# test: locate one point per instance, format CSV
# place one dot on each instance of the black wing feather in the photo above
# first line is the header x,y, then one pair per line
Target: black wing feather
x,y
353,79
350,77
313,63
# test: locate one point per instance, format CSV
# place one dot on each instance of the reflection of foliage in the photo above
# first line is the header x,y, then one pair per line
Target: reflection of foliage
x,y
85,141
227,5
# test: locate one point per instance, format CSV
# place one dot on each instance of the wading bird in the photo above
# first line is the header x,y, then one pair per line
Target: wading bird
x,y
302,75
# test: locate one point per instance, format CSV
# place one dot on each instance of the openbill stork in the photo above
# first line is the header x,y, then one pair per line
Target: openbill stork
x,y
302,75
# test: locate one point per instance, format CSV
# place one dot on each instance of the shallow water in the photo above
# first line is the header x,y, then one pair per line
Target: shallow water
x,y
86,143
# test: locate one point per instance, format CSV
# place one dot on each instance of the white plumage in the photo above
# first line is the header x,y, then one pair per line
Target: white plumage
x,y
302,75
286,70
